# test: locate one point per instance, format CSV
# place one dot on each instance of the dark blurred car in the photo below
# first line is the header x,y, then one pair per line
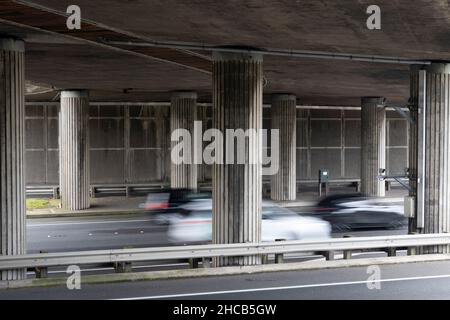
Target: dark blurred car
x,y
166,204
356,211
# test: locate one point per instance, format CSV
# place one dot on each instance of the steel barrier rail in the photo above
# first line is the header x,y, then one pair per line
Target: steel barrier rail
x,y
218,250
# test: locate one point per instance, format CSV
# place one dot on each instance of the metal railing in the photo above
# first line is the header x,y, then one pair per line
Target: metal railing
x,y
45,260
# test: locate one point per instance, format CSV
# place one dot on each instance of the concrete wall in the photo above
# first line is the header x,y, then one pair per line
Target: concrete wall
x,y
331,139
130,143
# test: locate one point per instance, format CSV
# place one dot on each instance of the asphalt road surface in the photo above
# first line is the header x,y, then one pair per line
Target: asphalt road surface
x,y
428,280
92,233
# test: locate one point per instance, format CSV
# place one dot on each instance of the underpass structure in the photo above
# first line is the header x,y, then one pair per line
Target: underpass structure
x,y
114,90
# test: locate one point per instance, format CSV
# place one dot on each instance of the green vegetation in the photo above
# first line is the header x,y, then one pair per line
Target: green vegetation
x,y
33,204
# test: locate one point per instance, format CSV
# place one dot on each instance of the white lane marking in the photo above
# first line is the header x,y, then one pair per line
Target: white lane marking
x,y
317,285
90,222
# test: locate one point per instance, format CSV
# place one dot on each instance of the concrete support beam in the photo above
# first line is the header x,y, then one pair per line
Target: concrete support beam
x,y
74,149
12,146
373,145
284,119
183,111
237,188
436,102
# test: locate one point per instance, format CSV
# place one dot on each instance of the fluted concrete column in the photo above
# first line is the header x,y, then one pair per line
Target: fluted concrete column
x,y
237,188
373,145
74,149
284,119
12,172
183,111
436,196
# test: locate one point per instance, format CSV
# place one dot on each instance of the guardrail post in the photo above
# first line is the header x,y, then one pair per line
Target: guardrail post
x,y
329,255
358,186
123,267
55,193
279,257
193,263
127,191
347,253
391,252
206,263
92,192
41,272
412,251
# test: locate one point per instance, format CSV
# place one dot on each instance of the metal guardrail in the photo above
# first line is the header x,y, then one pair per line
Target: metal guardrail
x,y
219,250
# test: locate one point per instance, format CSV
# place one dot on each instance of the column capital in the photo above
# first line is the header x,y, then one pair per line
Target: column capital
x,y
184,95
74,93
276,97
11,44
236,56
379,101
435,67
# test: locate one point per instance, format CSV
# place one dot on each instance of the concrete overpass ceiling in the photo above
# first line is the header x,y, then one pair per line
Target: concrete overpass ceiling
x,y
61,62
410,31
414,32
90,67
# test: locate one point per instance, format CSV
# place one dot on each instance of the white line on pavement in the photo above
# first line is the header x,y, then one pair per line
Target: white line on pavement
x,y
303,286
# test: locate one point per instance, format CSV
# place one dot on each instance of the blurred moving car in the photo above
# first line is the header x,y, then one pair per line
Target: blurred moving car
x,y
356,211
277,223
166,204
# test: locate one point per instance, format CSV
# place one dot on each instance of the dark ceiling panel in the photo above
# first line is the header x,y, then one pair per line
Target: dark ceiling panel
x,y
49,21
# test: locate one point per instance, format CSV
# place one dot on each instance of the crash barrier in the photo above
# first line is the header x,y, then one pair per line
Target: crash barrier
x,y
122,259
104,189
143,188
43,191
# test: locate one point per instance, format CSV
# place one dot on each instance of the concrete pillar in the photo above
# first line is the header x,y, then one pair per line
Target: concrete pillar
x,y
237,187
284,118
12,136
74,149
183,111
373,145
437,150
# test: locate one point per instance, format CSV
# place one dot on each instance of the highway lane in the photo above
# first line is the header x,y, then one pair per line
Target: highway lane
x,y
429,280
137,230
92,233
113,232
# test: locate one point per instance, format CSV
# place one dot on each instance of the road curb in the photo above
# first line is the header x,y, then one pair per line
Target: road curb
x,y
224,271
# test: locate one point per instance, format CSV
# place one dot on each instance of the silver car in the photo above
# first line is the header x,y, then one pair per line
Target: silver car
x,y
277,223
